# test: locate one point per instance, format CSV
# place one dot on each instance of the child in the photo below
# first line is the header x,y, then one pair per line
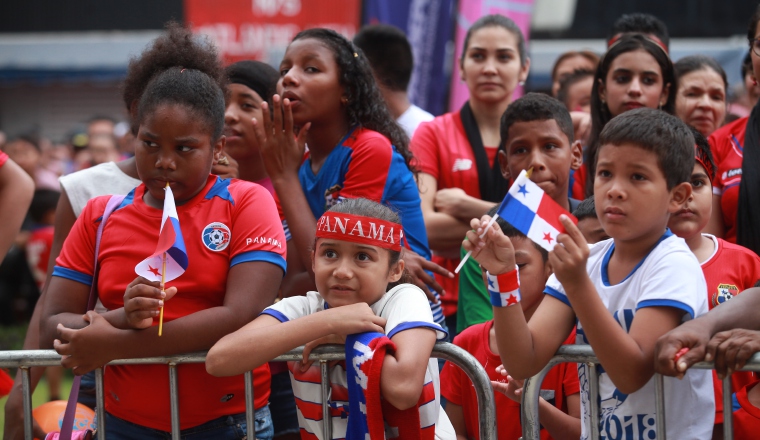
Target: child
x,y
180,118
536,132
560,414
575,91
621,294
356,149
728,268
588,222
360,277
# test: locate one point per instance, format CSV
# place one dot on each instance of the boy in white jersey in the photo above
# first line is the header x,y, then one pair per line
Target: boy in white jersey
x,y
622,294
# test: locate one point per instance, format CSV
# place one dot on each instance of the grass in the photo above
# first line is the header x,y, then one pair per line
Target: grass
x,y
40,395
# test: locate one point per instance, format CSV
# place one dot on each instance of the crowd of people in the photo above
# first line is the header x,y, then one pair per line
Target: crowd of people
x,y
317,202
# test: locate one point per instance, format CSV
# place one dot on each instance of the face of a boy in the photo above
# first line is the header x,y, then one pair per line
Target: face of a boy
x,y
694,214
543,146
592,230
631,195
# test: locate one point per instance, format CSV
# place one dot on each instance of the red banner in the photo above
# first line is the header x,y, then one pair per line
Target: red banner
x,y
262,29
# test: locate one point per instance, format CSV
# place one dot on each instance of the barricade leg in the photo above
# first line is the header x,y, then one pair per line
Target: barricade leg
x,y
326,416
250,404
174,399
26,387
728,414
659,406
100,403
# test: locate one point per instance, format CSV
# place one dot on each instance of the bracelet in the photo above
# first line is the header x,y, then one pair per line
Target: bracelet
x,y
504,288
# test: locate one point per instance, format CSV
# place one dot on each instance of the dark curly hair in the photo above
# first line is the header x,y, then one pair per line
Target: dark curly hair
x,y
178,47
366,106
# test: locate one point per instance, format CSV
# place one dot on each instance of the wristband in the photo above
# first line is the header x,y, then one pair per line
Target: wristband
x,y
504,288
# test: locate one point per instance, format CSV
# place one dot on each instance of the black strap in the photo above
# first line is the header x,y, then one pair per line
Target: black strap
x,y
748,209
493,187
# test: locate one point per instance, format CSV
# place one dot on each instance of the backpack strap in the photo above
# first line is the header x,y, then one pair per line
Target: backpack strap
x,y
68,418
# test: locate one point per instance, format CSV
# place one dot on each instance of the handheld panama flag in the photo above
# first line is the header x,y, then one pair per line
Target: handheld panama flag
x,y
530,211
169,260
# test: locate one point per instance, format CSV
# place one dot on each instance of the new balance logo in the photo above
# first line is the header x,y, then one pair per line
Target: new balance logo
x,y
461,165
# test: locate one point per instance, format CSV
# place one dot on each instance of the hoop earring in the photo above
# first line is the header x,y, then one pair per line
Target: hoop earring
x,y
521,83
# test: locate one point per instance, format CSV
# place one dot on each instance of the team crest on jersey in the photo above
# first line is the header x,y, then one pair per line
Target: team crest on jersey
x,y
724,293
332,196
216,236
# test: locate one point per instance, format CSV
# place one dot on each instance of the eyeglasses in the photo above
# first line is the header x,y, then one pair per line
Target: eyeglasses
x,y
755,44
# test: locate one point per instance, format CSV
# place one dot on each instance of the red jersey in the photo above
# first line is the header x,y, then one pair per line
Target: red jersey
x,y
727,145
746,416
246,211
730,270
578,182
560,382
442,150
38,253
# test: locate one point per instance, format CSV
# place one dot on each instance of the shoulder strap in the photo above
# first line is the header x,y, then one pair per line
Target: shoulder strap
x,y
68,418
493,187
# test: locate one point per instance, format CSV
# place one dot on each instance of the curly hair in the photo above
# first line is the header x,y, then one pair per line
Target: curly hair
x,y
178,47
366,106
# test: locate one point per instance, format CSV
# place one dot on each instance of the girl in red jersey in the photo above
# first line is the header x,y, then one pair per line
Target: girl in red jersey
x,y
635,72
459,176
180,118
355,149
360,288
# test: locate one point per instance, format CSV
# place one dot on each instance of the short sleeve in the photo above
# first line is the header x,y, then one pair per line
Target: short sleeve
x,y
408,308
674,280
474,303
554,288
424,146
3,158
451,383
371,157
257,233
76,259
570,383
289,309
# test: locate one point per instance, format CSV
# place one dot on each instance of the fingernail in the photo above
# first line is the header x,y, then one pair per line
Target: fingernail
x,y
708,357
160,303
563,217
682,366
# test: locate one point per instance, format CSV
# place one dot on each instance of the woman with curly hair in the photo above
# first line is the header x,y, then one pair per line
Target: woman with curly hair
x,y
459,175
355,149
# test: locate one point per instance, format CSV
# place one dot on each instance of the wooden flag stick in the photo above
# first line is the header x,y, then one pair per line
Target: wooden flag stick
x,y
163,290
488,226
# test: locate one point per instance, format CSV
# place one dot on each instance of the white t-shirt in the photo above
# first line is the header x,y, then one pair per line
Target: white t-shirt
x,y
411,118
99,180
669,276
404,307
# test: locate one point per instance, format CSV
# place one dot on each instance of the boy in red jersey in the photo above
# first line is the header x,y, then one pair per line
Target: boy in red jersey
x,y
559,408
728,268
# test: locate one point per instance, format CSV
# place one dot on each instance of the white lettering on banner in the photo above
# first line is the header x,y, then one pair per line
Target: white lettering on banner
x,y
270,8
375,233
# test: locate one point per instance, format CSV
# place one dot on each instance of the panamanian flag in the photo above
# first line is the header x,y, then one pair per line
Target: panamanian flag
x,y
532,212
170,241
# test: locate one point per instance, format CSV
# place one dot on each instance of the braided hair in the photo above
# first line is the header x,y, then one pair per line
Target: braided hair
x,y
366,106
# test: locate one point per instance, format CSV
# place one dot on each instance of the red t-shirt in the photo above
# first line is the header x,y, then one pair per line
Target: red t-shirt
x,y
38,253
727,145
560,382
728,272
746,416
578,182
442,150
140,393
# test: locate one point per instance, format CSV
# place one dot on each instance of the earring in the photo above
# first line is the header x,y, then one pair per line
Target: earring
x,y
659,106
344,100
521,83
604,102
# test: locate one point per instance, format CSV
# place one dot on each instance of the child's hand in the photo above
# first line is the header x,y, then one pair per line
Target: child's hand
x,y
417,267
691,335
143,300
325,340
89,348
226,167
449,201
513,388
731,350
568,259
353,318
281,151
494,251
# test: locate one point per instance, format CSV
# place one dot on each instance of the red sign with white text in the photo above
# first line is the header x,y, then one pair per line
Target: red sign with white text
x,y
262,29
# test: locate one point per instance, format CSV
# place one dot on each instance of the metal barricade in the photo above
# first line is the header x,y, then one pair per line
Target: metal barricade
x,y
25,359
584,354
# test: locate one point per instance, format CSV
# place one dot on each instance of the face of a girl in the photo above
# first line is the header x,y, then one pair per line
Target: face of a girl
x,y
633,80
755,46
175,146
491,66
568,66
348,273
243,105
694,214
701,100
309,78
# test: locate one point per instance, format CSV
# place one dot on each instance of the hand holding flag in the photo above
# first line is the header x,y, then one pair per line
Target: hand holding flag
x,y
169,260
527,207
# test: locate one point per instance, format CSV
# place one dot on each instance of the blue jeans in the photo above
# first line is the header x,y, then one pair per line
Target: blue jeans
x,y
282,404
231,427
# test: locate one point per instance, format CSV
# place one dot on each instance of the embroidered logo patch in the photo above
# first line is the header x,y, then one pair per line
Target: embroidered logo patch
x,y
461,165
216,236
332,196
724,293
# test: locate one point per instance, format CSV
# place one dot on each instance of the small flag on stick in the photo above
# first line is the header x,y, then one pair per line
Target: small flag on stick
x,y
169,260
527,207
